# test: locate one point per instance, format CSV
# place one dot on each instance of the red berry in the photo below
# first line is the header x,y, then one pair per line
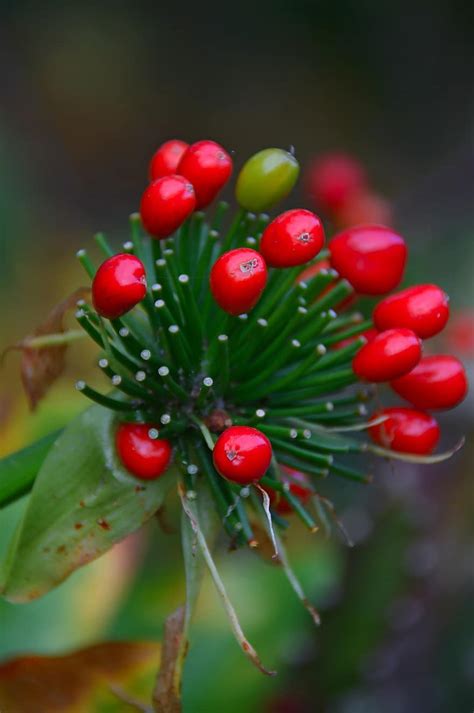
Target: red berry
x,y
371,257
119,284
406,431
242,454
333,179
293,238
166,204
166,159
237,280
438,382
423,308
145,457
208,166
388,356
299,486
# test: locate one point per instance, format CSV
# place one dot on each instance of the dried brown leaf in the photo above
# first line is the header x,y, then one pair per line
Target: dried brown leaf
x,y
80,682
265,546
41,366
167,693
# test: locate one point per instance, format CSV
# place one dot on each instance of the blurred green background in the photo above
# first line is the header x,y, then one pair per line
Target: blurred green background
x,y
88,90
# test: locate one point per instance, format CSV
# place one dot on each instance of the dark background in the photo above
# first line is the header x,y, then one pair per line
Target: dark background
x,y
89,89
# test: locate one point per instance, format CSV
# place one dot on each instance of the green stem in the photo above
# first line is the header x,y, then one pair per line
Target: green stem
x,y
302,453
107,401
206,434
234,230
245,645
172,385
246,390
104,245
46,341
353,331
86,262
221,209
18,470
350,473
317,284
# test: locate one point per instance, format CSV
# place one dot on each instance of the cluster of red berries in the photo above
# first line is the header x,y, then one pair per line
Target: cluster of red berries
x,y
365,260
372,258
183,179
232,367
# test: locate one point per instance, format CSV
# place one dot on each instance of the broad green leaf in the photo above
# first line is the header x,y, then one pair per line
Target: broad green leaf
x,y
82,503
112,677
18,470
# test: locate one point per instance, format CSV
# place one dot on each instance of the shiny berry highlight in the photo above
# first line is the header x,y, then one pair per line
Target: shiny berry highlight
x,y
422,308
166,204
437,382
119,285
371,257
144,456
390,354
208,166
406,430
166,159
242,454
293,238
237,280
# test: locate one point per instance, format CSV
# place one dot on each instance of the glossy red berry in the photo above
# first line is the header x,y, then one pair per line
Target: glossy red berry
x,y
388,356
333,179
166,204
208,166
119,284
437,382
406,430
242,454
422,308
299,486
144,456
371,257
166,159
293,238
237,280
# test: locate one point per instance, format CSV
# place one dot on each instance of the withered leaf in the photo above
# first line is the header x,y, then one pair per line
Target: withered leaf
x,y
167,693
265,546
40,367
82,682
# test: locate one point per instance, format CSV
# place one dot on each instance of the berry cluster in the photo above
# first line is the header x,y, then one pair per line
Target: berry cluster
x,y
252,328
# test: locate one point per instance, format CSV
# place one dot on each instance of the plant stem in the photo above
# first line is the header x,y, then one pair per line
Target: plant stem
x,y
245,645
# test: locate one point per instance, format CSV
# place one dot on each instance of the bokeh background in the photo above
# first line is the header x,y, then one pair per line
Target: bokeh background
x,y
88,90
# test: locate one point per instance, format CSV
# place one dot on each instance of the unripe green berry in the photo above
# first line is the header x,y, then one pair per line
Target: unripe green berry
x,y
265,179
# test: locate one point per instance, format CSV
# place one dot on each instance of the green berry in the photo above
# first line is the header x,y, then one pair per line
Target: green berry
x,y
266,178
